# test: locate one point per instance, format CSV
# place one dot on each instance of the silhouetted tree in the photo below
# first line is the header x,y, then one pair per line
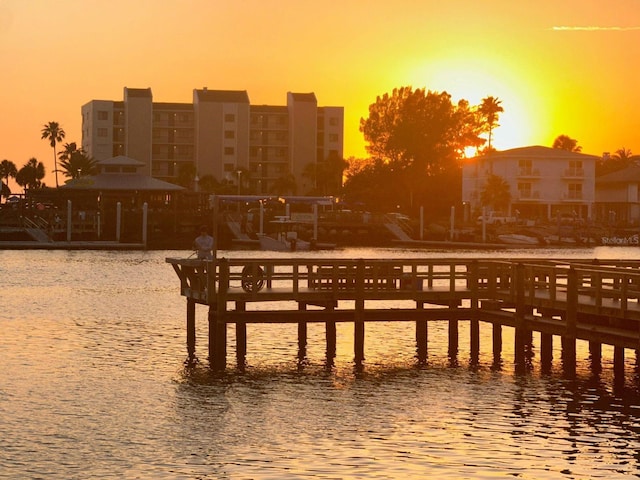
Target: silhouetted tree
x,y
31,174
285,185
7,169
78,164
490,110
326,176
187,176
419,134
564,142
496,193
208,184
622,158
53,132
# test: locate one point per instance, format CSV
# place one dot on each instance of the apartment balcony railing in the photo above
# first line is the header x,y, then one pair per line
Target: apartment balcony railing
x,y
528,172
528,196
574,173
573,197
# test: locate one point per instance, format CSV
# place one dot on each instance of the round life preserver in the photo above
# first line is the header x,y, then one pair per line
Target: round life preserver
x,y
251,282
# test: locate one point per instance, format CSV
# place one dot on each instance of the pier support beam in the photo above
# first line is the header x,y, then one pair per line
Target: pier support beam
x,y
191,331
474,333
422,337
330,334
302,337
595,355
618,366
218,321
546,352
358,327
571,319
241,338
453,341
497,345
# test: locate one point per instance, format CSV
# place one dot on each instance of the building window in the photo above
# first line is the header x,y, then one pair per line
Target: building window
x,y
229,117
229,134
524,190
333,121
575,191
103,132
103,115
229,167
333,137
229,150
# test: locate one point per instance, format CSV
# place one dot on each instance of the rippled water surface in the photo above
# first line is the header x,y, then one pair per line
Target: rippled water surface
x,y
92,385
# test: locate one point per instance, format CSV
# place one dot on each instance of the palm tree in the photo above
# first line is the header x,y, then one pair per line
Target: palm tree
x,y
78,164
53,132
285,185
564,142
490,110
496,193
7,169
31,174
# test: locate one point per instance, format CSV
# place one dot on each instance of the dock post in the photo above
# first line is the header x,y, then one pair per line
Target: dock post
x,y
302,336
595,355
218,321
474,323
191,331
330,334
358,324
546,352
241,337
523,335
453,340
497,345
618,366
422,336
571,317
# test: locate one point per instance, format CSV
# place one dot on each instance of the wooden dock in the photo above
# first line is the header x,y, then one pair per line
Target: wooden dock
x,y
596,301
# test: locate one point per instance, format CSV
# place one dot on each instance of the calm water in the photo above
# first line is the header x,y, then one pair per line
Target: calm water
x,y
92,386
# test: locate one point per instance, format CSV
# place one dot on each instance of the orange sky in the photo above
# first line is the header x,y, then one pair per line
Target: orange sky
x,y
582,80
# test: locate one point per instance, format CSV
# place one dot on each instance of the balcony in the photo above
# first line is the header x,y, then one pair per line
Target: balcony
x,y
572,197
528,173
574,173
528,196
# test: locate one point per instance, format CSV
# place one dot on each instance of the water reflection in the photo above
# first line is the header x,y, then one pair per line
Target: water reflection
x,y
92,345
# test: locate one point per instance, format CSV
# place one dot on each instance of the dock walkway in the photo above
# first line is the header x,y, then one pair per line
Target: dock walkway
x,y
596,301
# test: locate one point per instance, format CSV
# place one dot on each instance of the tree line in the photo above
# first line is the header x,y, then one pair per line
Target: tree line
x,y
72,162
416,140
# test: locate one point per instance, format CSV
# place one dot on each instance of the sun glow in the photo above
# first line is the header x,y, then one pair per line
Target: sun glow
x,y
520,123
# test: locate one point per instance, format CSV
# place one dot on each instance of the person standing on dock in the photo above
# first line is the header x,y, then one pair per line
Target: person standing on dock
x,y
204,245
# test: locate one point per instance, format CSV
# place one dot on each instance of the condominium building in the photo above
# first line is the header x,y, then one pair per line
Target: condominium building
x,y
219,134
543,182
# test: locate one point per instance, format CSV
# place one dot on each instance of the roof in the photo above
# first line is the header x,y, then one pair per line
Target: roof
x,y
223,96
538,151
303,97
630,174
121,161
138,92
120,181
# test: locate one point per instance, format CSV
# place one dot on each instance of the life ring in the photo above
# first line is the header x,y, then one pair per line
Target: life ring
x,y
251,282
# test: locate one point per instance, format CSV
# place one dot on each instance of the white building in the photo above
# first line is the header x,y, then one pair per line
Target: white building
x,y
543,182
219,134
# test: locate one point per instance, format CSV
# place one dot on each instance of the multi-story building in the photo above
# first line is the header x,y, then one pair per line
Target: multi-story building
x,y
219,134
543,182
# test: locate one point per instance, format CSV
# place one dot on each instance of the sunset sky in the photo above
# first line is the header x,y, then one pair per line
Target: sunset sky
x,y
559,67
